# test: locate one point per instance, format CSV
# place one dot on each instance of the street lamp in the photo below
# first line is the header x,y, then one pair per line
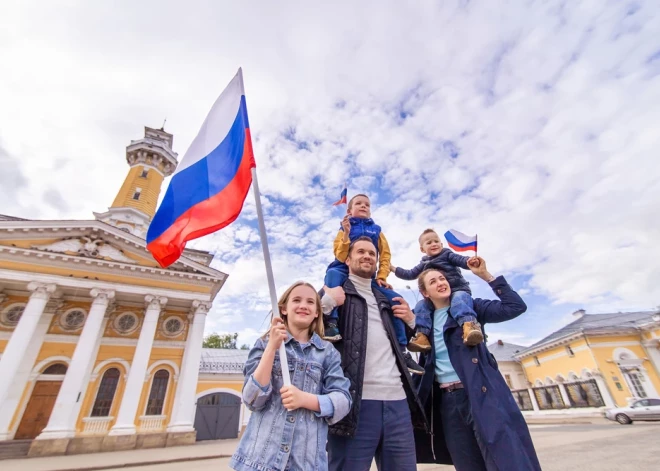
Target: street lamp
x,y
413,292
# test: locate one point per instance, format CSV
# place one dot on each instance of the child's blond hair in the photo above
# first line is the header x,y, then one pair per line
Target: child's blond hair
x,y
317,324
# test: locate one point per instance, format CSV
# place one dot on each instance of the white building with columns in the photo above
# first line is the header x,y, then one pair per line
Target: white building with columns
x,y
100,347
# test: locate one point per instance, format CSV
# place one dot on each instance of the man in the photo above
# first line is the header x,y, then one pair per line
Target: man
x,y
385,405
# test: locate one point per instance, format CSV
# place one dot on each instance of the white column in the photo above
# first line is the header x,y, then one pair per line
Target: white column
x,y
564,394
62,422
604,391
125,424
21,352
535,403
183,413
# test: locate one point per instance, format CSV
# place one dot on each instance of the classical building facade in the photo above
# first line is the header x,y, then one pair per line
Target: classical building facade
x,y
100,346
598,360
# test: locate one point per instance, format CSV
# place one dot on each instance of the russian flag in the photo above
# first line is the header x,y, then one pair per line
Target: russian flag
x,y
461,242
342,198
208,189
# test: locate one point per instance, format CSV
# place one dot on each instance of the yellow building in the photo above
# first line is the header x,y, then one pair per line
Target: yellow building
x,y
596,360
100,346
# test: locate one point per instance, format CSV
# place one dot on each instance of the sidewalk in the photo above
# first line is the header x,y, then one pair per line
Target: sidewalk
x,y
122,459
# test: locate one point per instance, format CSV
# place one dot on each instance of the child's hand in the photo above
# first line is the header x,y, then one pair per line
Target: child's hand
x,y
383,284
277,334
293,398
346,224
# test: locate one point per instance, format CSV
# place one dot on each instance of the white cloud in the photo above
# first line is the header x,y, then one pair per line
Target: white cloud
x,y
535,127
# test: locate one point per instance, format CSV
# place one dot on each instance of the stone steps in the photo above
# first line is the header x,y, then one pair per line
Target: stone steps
x,y
10,449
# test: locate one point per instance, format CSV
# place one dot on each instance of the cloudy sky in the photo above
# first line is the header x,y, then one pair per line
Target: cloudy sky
x,y
534,124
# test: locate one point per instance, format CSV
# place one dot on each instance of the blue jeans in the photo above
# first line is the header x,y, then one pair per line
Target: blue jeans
x,y
384,431
467,450
337,274
461,309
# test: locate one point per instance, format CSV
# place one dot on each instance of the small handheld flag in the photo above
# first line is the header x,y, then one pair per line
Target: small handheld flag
x,y
461,242
342,198
210,184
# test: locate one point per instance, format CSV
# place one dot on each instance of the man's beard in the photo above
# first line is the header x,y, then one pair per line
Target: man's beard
x,y
366,273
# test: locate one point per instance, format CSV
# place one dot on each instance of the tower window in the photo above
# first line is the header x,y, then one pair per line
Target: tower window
x,y
136,195
144,173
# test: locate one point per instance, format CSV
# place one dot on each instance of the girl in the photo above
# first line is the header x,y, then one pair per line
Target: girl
x,y
318,396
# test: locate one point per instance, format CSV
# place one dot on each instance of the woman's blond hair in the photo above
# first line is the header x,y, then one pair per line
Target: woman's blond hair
x,y
317,324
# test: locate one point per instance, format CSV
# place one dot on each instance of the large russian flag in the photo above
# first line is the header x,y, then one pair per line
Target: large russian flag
x,y
208,189
461,242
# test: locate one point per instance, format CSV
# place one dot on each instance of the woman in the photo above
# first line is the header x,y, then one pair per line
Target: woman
x,y
475,422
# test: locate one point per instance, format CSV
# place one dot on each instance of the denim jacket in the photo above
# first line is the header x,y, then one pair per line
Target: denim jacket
x,y
269,442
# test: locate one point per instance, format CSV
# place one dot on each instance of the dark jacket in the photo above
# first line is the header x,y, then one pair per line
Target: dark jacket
x,y
496,415
447,261
353,323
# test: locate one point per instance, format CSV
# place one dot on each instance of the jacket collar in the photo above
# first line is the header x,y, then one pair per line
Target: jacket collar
x,y
315,340
360,221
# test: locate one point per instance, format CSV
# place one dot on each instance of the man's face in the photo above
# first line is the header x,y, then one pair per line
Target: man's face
x,y
362,259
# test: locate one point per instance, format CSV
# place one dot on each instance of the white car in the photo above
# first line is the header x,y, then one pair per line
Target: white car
x,y
642,409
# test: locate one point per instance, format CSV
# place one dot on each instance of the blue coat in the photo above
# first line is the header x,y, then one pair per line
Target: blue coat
x,y
496,414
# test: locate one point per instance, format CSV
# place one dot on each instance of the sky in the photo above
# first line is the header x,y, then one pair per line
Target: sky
x,y
532,124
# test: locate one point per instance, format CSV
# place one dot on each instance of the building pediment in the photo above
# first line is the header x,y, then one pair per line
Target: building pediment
x,y
86,246
97,241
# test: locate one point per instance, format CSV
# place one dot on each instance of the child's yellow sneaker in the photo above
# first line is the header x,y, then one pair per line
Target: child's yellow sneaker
x,y
472,334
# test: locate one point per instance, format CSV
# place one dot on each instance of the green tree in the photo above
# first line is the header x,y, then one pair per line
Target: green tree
x,y
245,346
216,340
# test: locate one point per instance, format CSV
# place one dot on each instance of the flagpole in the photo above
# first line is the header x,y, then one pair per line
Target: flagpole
x,y
284,363
269,272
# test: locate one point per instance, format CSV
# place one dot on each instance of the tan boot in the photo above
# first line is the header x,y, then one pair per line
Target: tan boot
x,y
419,343
472,334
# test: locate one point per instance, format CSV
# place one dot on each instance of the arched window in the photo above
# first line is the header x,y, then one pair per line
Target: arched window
x,y
56,369
106,393
157,393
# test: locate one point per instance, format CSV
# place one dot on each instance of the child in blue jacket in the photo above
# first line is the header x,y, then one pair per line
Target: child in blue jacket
x,y
358,223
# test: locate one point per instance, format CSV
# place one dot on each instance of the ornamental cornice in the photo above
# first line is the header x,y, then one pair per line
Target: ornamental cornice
x,y
111,265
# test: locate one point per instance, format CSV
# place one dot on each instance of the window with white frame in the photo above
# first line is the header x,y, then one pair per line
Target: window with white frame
x,y
136,195
106,393
158,393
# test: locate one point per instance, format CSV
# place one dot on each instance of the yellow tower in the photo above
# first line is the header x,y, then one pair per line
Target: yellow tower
x,y
151,159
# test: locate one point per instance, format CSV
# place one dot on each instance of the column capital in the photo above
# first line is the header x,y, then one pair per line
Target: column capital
x,y
155,302
200,307
102,295
41,290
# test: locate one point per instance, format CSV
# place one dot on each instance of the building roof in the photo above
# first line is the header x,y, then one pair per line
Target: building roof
x,y
601,323
4,217
222,360
504,351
